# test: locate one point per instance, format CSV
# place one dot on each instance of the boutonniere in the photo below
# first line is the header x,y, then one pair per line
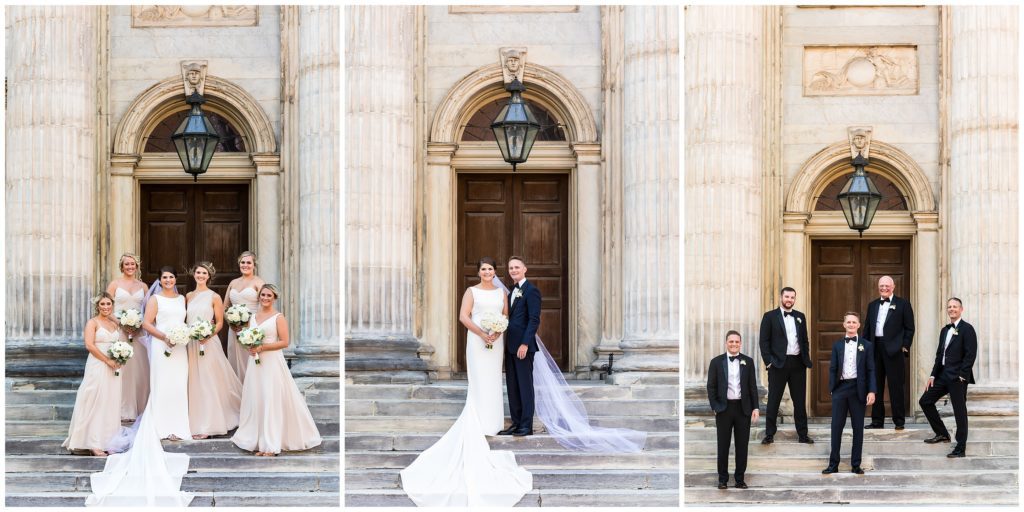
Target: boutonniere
x,y
860,348
892,307
955,332
743,363
518,293
799,320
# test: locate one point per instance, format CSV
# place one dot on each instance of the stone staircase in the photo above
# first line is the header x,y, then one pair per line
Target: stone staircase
x,y
41,473
388,425
900,469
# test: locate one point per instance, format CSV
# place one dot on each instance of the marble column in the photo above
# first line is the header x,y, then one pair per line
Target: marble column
x,y
650,199
380,186
724,160
51,170
983,185
319,186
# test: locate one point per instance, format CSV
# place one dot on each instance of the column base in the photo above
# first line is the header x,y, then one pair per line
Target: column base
x,y
377,357
317,360
50,358
648,356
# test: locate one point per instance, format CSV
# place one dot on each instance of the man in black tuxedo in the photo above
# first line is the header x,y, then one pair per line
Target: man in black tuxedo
x,y
851,380
732,391
786,353
952,372
520,347
889,326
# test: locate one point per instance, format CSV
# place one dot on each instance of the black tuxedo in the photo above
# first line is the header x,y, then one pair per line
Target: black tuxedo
x,y
890,360
960,355
732,417
523,321
785,370
850,397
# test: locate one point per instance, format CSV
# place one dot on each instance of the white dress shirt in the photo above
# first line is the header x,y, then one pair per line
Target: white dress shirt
x,y
792,345
850,359
949,336
883,313
520,283
733,392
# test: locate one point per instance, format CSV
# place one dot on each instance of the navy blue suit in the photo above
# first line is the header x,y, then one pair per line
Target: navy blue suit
x,y
897,334
523,321
960,356
850,397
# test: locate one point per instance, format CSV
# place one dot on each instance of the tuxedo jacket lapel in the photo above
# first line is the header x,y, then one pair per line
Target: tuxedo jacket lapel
x,y
782,321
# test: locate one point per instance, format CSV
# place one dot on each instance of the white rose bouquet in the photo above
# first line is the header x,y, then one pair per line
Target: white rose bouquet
x,y
252,337
237,315
179,335
120,352
130,320
200,331
493,322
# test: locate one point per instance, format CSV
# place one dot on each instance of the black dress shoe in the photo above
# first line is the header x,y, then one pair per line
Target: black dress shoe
x,y
829,470
806,440
899,427
959,451
872,425
523,432
939,438
857,470
507,431
741,485
723,485
768,440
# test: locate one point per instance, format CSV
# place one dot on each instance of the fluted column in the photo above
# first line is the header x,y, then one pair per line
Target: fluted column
x,y
51,173
380,189
318,95
724,159
983,185
650,190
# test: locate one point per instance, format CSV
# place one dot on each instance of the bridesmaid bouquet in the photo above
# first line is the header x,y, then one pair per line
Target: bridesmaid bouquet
x,y
180,335
199,331
120,352
131,320
237,314
493,322
252,337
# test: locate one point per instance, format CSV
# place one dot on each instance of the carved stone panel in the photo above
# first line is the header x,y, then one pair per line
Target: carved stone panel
x,y
195,16
860,70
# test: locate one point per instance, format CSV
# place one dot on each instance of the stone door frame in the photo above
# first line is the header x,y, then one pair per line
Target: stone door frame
x,y
260,167
436,317
919,224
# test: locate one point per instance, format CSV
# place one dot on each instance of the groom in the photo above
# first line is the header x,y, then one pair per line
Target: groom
x,y
520,346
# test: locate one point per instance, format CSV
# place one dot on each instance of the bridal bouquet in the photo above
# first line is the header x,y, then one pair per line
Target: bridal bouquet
x,y
199,331
237,314
130,320
493,322
120,352
180,335
252,337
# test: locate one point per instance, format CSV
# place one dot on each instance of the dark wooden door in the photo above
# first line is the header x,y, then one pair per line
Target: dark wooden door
x,y
500,215
845,277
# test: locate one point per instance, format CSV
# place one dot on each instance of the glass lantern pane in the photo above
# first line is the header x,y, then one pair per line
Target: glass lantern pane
x,y
499,135
516,136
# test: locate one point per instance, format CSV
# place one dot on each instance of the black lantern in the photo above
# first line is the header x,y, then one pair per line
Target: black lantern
x,y
515,128
195,140
859,197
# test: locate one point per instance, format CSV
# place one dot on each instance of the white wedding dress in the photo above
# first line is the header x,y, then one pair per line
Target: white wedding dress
x,y
461,470
169,375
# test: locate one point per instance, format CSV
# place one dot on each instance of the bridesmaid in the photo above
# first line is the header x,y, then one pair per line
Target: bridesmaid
x,y
97,415
214,392
274,414
242,290
129,292
168,375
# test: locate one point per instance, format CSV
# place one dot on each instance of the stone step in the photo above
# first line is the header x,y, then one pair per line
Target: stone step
x,y
421,425
60,428
666,459
786,423
912,432
63,412
15,384
192,482
888,479
52,446
419,442
452,408
363,479
203,499
811,463
67,397
198,463
537,498
456,390
822,447
829,494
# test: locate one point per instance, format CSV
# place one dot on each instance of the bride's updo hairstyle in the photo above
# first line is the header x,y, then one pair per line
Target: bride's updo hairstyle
x,y
272,288
96,301
205,264
486,260
168,269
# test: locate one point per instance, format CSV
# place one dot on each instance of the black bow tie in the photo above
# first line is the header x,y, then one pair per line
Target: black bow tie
x,y
884,300
850,339
516,287
787,313
733,358
951,326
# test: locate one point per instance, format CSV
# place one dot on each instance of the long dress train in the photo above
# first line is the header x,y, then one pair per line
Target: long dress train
x,y
134,373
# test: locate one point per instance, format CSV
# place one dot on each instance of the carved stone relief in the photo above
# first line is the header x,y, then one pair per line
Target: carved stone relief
x,y
860,70
194,16
513,61
193,74
860,141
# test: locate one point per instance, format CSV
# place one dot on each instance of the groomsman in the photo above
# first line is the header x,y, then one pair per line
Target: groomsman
x,y
889,326
952,372
851,380
732,392
785,351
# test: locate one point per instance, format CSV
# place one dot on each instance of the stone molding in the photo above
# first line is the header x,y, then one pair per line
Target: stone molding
x,y
844,70
146,16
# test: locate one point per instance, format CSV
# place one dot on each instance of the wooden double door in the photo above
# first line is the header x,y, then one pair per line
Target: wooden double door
x,y
845,277
500,215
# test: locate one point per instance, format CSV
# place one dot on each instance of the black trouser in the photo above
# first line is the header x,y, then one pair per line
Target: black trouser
x,y
519,383
891,367
732,423
794,374
957,396
846,402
